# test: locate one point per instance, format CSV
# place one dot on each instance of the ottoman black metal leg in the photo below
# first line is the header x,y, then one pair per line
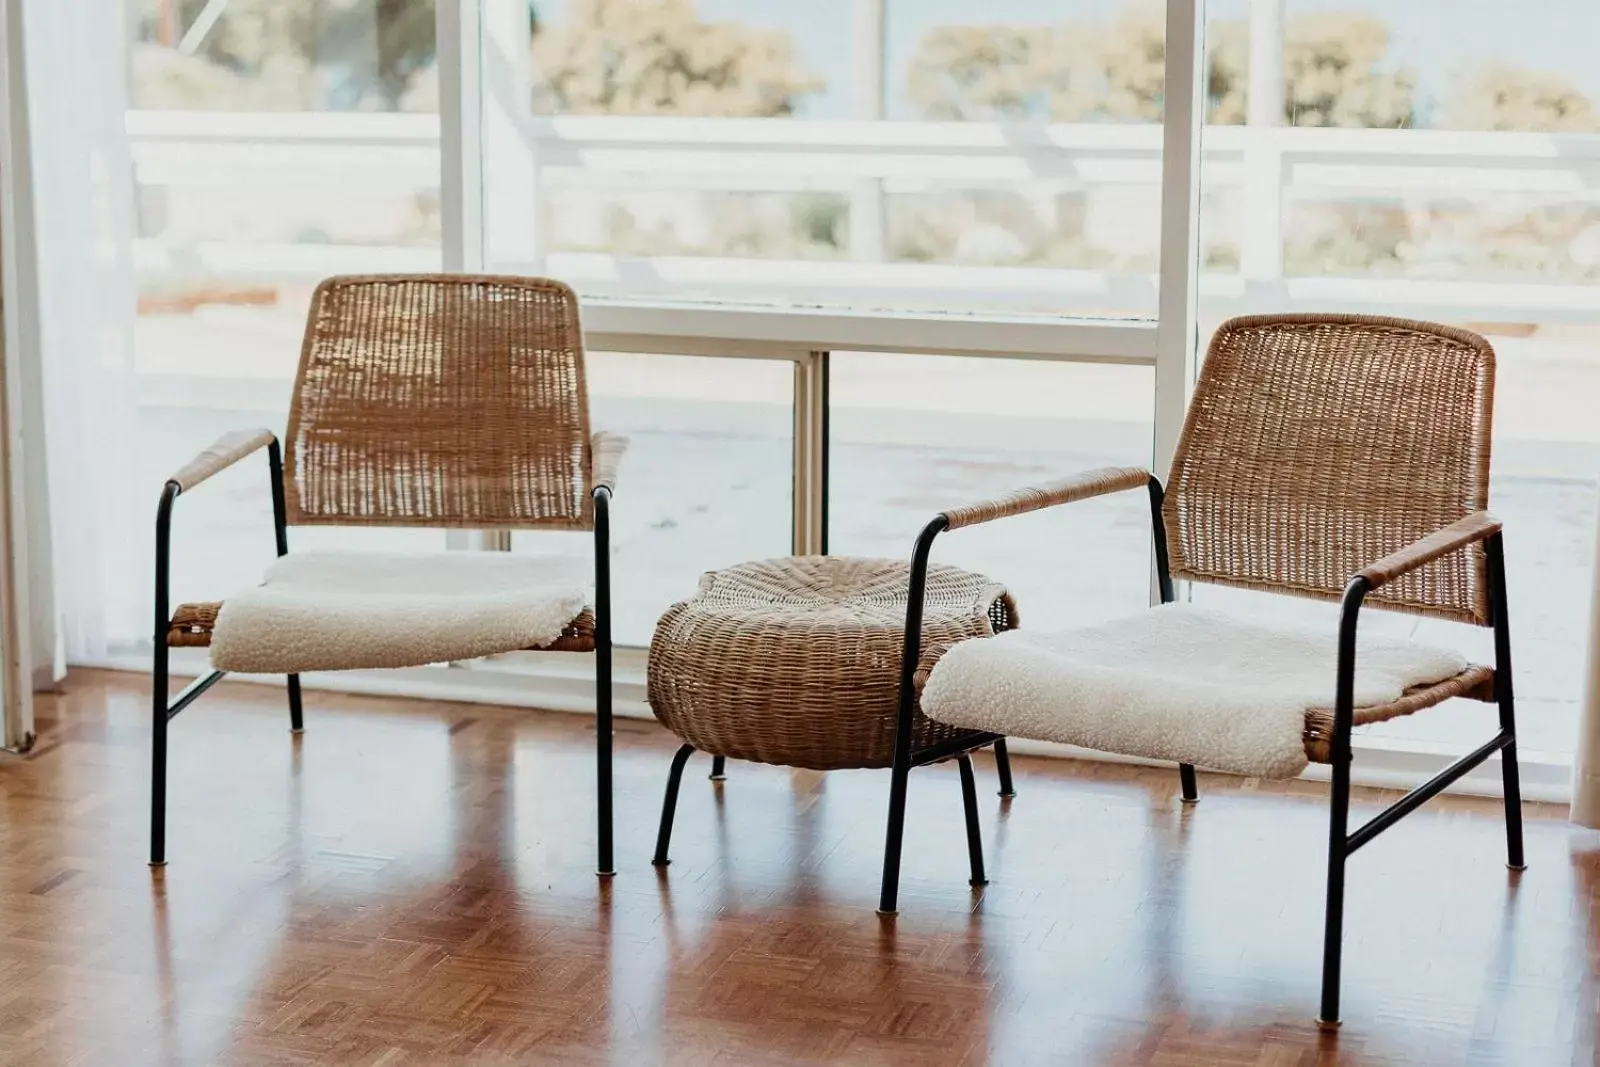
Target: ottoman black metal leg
x,y
1002,763
669,805
719,768
889,895
1191,786
969,800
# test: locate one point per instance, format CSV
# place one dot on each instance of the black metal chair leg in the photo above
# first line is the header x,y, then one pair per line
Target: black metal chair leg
x,y
669,805
158,678
297,721
1511,780
719,768
1339,801
889,897
969,800
1002,763
1510,777
606,862
1333,916
1191,787
158,758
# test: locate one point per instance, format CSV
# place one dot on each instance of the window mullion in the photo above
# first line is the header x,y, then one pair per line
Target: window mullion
x,y
1176,327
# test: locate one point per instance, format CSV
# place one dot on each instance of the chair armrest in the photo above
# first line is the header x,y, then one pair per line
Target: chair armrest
x,y
1459,534
1036,497
607,450
223,453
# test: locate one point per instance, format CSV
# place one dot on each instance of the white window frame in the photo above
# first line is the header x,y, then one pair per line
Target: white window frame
x,y
476,35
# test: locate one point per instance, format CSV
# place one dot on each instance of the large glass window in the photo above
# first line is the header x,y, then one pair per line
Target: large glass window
x,y
1433,160
914,435
274,142
705,481
995,170
878,154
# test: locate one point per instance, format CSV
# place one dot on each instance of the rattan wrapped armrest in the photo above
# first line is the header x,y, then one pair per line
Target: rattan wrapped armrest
x,y
223,453
1036,497
1452,538
607,450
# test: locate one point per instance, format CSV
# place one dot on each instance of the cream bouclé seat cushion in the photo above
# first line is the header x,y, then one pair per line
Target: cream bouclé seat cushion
x,y
1176,682
347,611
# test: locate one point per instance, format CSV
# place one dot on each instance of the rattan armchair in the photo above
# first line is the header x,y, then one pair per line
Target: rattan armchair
x,y
1333,457
449,401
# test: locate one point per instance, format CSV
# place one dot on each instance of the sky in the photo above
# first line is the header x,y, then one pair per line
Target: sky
x,y
1435,38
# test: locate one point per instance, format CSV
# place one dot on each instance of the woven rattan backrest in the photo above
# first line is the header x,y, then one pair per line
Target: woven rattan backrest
x,y
1316,444
440,401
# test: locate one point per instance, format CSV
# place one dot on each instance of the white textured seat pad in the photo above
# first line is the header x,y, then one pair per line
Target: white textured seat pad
x,y
319,611
1174,683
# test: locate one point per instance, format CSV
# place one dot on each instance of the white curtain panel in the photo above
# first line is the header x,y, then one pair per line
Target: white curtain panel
x,y
83,190
1586,760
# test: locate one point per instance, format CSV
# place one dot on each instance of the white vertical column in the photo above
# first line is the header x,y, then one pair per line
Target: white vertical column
x,y
810,454
1180,225
1261,253
513,199
1586,761
458,46
868,238
1265,100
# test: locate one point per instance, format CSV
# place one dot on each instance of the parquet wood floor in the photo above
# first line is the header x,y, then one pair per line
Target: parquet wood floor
x,y
409,883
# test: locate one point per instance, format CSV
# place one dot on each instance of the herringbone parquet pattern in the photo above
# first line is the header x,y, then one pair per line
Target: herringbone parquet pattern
x,y
409,883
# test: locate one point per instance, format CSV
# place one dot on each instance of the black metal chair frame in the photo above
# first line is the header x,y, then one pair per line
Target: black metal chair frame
x,y
163,711
960,749
1342,842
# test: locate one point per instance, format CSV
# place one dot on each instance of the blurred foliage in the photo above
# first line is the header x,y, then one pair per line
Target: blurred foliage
x,y
626,57
1505,97
1072,72
660,57
620,57
281,55
655,57
1336,71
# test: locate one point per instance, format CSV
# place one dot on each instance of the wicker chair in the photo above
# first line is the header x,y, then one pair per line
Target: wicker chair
x,y
1333,457
421,401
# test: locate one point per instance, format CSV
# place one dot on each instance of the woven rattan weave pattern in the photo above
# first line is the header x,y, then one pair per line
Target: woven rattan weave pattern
x,y
795,661
1316,444
440,401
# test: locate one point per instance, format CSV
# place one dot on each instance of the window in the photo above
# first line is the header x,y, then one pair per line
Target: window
x,y
847,264
1002,162
1429,160
272,144
705,482
912,435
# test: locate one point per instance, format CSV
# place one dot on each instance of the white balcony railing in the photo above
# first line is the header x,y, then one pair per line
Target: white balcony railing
x,y
262,154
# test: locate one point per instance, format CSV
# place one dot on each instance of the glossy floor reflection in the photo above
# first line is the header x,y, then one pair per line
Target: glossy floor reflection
x,y
409,883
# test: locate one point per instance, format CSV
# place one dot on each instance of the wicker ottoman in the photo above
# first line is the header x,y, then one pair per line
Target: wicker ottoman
x,y
796,662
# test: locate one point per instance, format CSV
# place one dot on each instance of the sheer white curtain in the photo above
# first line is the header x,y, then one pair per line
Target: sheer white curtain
x,y
83,201
1586,765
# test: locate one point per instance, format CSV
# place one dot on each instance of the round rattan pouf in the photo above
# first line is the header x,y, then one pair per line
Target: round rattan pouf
x,y
796,661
